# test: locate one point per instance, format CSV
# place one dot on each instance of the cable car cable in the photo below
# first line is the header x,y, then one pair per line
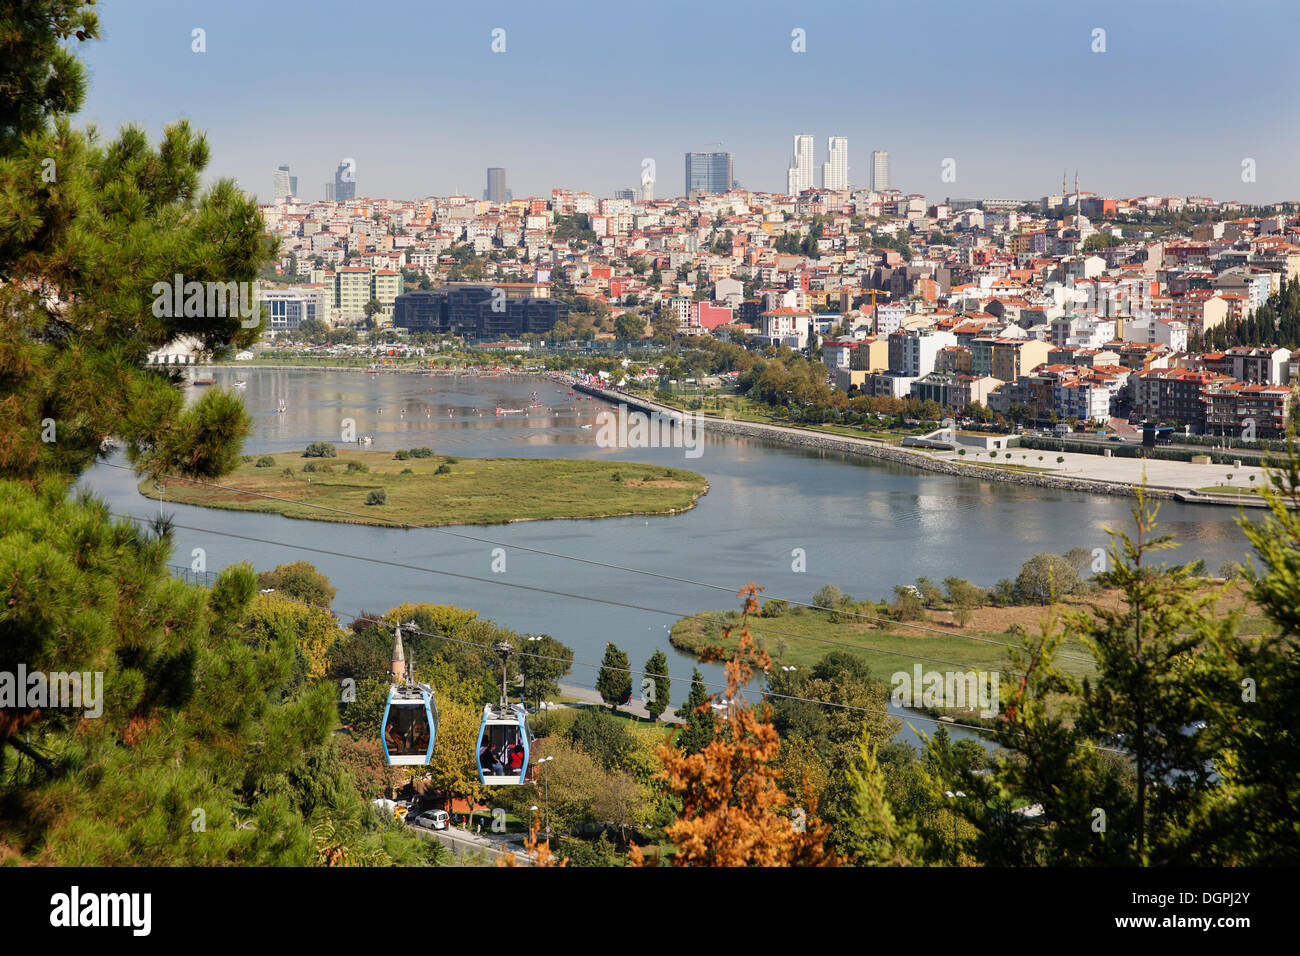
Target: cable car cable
x,y
403,526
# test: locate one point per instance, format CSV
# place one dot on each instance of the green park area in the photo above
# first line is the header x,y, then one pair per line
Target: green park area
x,y
425,490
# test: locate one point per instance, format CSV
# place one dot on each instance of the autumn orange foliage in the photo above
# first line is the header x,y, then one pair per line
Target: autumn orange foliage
x,y
734,813
538,850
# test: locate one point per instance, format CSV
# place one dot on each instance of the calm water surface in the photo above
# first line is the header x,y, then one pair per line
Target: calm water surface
x,y
863,525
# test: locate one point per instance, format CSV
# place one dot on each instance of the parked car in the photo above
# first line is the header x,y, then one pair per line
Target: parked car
x,y
1114,438
433,819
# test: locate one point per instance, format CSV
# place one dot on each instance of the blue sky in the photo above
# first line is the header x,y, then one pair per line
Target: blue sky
x,y
584,91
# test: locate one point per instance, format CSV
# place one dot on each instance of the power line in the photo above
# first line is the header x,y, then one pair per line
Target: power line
x,y
631,671
550,591
367,519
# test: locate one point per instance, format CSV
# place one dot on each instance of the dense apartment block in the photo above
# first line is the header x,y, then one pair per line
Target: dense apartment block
x,y
479,311
1241,410
1173,395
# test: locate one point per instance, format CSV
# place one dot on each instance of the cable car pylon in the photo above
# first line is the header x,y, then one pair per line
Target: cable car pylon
x,y
410,722
504,739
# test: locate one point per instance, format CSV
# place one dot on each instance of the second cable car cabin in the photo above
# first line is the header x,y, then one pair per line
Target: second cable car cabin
x,y
503,737
410,722
503,745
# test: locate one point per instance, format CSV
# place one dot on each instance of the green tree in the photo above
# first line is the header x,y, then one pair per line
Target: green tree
x,y
614,681
629,327
656,671
543,662
312,631
1250,818
698,714
605,738
1045,576
299,580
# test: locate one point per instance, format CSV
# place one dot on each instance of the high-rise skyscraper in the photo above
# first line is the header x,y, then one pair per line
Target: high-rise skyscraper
x,y
800,174
329,192
345,180
496,186
282,185
293,185
708,172
835,171
879,170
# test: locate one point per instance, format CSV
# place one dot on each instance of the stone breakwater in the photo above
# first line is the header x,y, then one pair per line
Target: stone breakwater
x,y
865,448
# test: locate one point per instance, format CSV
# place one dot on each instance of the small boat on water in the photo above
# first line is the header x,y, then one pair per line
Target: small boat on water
x,y
205,381
240,383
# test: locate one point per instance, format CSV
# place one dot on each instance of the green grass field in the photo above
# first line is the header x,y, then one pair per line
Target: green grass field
x,y
1228,490
475,491
808,636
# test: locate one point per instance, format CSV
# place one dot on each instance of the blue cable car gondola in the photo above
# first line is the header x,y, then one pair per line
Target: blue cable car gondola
x,y
503,745
504,739
410,726
410,722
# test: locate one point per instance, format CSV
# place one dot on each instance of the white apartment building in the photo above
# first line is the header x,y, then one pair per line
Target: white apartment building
x,y
913,353
889,319
835,171
1171,333
800,174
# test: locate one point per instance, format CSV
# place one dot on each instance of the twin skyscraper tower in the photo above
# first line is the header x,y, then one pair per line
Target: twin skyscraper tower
x,y
835,171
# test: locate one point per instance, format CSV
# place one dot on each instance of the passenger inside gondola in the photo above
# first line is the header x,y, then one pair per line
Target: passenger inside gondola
x,y
420,736
407,731
502,751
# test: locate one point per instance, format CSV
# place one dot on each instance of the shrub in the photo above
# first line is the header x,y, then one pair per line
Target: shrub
x,y
774,608
961,451
401,454
993,454
1060,459
453,461
287,473
407,471
907,604
377,497
356,467
443,469
421,452
315,466
266,461
1044,577
320,449
245,458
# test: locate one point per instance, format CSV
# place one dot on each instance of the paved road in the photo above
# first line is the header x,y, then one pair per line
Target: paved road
x,y
1178,475
635,707
492,845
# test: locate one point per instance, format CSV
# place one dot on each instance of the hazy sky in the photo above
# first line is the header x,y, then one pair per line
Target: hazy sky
x,y
584,91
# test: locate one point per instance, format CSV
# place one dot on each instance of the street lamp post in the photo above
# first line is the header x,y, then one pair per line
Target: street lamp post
x,y
546,794
537,637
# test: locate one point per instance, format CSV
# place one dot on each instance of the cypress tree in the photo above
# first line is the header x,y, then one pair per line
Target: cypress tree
x,y
614,682
698,714
656,669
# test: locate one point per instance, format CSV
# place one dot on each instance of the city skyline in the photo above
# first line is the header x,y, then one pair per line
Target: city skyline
x,y
1182,146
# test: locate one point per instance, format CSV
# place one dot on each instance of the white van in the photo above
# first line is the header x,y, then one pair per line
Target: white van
x,y
1063,429
433,819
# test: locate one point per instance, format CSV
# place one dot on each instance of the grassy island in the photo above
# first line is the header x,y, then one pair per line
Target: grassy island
x,y
377,487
